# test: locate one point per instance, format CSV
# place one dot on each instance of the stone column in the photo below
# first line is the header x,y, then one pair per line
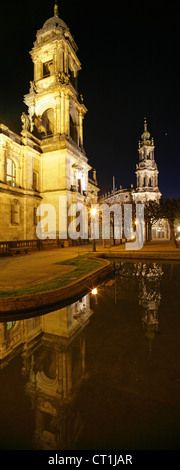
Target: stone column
x,y
3,166
60,374
62,126
64,372
57,121
67,115
35,71
60,59
69,373
80,129
146,180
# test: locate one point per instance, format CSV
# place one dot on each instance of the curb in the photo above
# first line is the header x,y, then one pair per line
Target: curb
x,y
144,255
26,303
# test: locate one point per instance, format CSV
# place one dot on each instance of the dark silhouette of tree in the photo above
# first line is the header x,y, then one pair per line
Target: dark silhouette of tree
x,y
151,215
169,209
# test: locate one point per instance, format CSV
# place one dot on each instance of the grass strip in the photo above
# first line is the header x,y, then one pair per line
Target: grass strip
x,y
83,266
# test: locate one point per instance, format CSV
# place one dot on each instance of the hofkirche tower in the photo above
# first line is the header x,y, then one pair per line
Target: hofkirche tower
x,y
146,170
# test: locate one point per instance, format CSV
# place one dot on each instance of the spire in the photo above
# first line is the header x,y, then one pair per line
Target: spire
x,y
56,8
146,134
145,125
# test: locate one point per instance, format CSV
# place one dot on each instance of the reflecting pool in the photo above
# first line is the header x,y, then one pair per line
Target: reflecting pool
x,y
101,373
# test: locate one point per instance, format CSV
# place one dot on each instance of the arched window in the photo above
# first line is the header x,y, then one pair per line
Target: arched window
x,y
47,122
11,172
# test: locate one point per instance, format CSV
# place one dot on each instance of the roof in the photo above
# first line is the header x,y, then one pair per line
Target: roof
x,y
55,21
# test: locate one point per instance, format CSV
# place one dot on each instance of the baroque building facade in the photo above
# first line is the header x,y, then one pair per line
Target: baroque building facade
x,y
147,188
48,159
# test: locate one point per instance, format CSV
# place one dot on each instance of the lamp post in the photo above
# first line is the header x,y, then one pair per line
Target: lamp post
x,y
93,213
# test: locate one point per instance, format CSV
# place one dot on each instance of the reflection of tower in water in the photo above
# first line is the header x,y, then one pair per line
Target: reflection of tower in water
x,y
150,297
55,369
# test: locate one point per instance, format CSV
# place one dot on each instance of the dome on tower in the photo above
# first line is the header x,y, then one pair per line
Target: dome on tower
x,y
55,21
146,135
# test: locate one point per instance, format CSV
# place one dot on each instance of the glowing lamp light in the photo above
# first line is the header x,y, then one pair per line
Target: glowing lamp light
x,y
93,211
178,228
94,291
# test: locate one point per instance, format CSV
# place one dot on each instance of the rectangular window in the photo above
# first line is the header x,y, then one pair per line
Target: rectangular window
x,y
11,173
34,216
15,213
79,186
47,69
34,181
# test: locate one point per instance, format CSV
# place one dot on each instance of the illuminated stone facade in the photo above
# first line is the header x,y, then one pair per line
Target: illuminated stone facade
x,y
146,184
146,171
48,159
146,174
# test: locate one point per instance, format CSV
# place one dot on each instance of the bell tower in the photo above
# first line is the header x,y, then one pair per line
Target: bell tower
x,y
55,108
146,170
56,112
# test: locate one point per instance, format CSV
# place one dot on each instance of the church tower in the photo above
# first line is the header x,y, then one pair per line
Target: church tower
x,y
56,112
146,170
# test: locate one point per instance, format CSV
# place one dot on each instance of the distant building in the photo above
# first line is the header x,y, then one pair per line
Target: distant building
x,y
93,188
47,159
146,184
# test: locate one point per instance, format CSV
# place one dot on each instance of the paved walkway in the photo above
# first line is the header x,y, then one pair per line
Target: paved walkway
x,y
36,267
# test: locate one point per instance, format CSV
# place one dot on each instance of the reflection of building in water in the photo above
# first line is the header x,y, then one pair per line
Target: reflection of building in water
x,y
55,372
53,352
15,335
150,297
149,276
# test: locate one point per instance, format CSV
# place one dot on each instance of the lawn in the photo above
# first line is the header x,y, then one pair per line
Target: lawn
x,y
83,265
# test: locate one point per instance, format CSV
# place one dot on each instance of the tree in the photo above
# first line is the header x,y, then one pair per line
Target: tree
x,y
170,210
151,215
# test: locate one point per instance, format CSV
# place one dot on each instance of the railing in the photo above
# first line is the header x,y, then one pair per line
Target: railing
x,y
25,245
18,246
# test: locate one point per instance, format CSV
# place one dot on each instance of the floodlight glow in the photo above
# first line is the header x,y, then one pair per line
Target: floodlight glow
x,y
94,291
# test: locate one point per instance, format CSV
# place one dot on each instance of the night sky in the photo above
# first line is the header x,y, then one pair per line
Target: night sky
x,y
130,56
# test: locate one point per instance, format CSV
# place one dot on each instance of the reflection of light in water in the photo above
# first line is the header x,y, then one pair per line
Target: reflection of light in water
x,y
94,291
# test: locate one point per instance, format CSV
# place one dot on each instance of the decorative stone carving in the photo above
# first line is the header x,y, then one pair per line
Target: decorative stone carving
x,y
25,121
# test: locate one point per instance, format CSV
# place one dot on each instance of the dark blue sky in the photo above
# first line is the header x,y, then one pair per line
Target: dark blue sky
x,y
130,69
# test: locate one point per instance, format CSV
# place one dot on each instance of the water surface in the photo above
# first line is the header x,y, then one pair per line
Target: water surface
x,y
102,372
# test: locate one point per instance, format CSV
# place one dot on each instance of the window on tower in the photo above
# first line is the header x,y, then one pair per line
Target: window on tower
x,y
47,122
34,181
72,78
73,130
47,68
